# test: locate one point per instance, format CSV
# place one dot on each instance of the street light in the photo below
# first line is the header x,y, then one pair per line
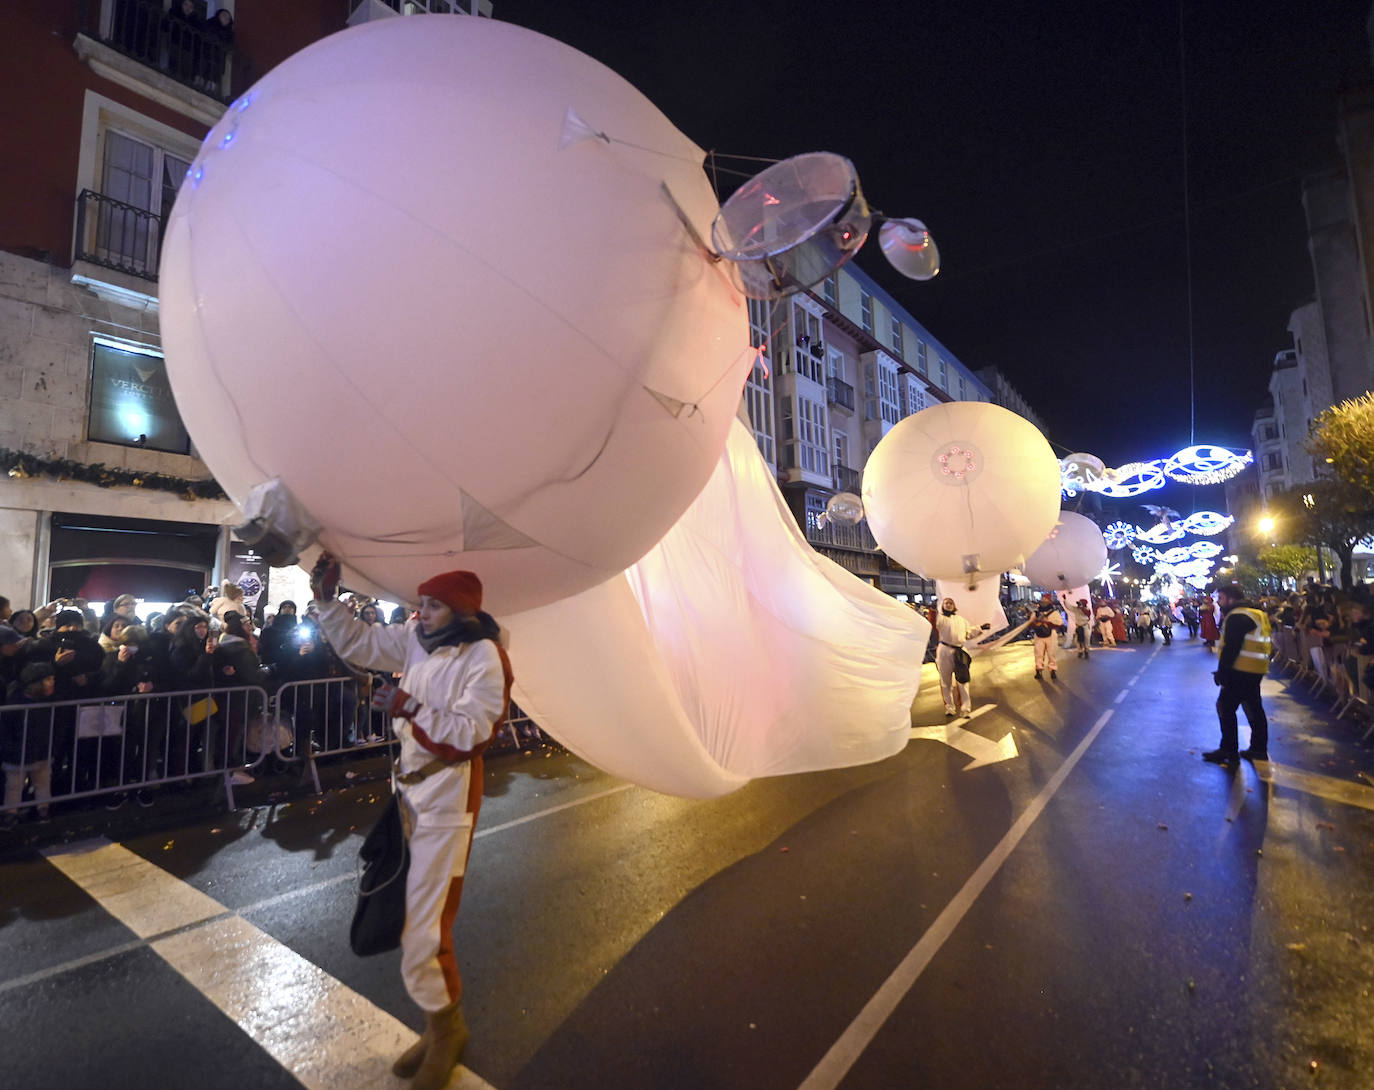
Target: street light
x,y
1266,524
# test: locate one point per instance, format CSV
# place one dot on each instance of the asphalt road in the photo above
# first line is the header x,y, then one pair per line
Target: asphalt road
x,y
1089,905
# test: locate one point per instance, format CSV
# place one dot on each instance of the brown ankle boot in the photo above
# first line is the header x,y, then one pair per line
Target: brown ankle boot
x,y
448,1036
408,1062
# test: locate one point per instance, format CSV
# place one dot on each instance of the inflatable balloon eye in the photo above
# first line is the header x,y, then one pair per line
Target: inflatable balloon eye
x,y
1086,469
961,488
1206,464
1072,554
909,249
1119,535
794,224
348,300
1206,523
844,509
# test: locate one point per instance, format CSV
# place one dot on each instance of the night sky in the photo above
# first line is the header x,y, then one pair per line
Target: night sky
x,y
1043,145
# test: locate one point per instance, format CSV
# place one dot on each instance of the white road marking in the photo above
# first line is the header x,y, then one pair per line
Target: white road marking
x,y
291,894
984,751
835,1064
327,1035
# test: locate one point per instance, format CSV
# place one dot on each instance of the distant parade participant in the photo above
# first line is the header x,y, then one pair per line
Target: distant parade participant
x,y
1105,615
1082,615
953,632
1208,623
1164,621
1044,621
454,691
1242,664
1190,618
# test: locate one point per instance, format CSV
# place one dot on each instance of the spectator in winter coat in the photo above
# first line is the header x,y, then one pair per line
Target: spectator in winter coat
x,y
26,739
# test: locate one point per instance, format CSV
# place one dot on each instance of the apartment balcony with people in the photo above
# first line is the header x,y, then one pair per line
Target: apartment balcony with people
x,y
175,54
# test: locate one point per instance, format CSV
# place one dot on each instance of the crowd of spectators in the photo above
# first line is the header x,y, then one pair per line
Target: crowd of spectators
x,y
64,651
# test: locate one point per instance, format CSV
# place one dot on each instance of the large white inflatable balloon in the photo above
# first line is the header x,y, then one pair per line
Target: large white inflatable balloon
x,y
1072,555
961,490
437,276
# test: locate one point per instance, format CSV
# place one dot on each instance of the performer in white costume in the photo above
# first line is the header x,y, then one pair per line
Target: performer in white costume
x,y
454,691
954,633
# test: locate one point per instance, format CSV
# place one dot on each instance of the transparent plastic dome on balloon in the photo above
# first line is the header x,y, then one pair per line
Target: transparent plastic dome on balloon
x,y
793,224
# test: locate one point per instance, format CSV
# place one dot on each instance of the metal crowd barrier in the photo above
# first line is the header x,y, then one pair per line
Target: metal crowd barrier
x,y
78,749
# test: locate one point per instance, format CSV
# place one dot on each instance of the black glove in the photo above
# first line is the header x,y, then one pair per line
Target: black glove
x,y
1216,676
324,578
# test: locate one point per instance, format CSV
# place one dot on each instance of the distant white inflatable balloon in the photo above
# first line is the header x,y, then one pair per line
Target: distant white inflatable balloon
x,y
431,272
844,509
961,490
1072,554
909,249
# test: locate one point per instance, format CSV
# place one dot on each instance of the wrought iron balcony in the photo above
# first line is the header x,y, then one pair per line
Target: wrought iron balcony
x,y
117,236
840,393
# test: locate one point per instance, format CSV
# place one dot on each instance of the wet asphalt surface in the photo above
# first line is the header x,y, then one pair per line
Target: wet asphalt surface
x,y
1162,922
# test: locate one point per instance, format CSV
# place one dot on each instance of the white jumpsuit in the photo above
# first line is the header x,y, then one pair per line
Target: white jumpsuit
x,y
956,631
462,693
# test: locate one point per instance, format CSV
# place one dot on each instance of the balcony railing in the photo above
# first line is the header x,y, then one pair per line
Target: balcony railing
x,y
190,51
847,479
845,537
840,393
117,236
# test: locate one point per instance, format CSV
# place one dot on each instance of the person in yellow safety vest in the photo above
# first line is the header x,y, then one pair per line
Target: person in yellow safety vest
x,y
1242,663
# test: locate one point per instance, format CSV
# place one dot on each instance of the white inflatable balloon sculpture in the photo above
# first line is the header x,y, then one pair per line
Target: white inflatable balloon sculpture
x,y
443,280
1072,555
435,291
961,491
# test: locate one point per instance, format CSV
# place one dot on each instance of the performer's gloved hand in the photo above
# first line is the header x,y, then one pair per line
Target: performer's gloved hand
x,y
395,701
324,578
1216,677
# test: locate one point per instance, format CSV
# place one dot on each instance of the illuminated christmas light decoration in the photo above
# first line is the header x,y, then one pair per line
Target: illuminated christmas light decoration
x,y
1166,515
1159,535
1177,555
1205,550
1206,523
1132,479
1143,554
1206,464
1106,575
1118,535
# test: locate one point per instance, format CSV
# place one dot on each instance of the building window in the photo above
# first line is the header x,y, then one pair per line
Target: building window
x,y
814,443
809,350
866,311
921,357
758,388
1273,461
131,400
887,394
942,374
830,290
815,506
841,449
897,336
963,390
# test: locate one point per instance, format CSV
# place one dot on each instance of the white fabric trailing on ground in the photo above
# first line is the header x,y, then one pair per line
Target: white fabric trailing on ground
x,y
732,650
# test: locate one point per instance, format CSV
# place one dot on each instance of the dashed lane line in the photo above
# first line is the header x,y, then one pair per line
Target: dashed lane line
x,y
325,1034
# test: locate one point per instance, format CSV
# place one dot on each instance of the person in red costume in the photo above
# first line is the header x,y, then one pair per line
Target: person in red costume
x,y
453,692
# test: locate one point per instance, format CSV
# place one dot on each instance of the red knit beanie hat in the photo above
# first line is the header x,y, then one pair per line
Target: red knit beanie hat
x,y
461,591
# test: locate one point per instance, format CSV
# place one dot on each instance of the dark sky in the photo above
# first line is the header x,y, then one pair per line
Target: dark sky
x,y
1043,144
